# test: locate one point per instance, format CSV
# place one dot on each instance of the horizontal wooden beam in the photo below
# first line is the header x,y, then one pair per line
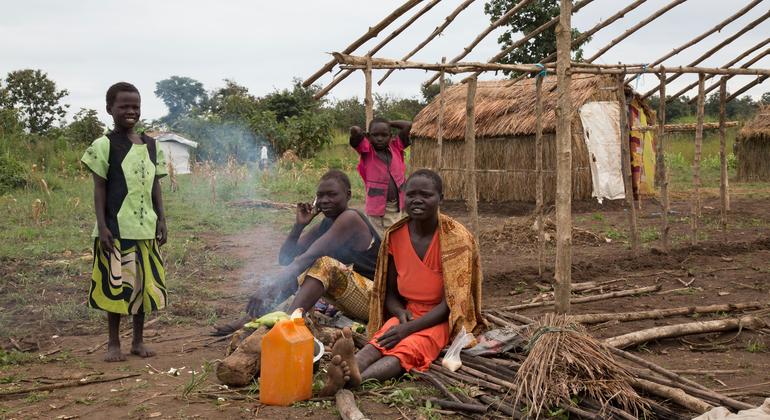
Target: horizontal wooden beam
x,y
669,128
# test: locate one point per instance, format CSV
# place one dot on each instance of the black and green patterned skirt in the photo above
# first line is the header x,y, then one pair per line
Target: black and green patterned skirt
x,y
131,280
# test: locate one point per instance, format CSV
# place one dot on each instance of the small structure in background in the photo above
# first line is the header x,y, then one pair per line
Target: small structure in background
x,y
505,132
752,148
176,148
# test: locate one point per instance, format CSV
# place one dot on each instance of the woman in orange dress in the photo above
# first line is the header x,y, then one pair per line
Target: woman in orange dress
x,y
427,286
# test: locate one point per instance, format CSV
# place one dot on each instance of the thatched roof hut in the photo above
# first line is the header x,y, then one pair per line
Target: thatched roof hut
x,y
505,135
753,148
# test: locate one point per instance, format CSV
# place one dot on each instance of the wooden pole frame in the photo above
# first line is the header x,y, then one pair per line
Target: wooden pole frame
x,y
723,193
745,65
563,268
661,171
470,154
539,199
696,179
368,102
625,167
748,86
440,128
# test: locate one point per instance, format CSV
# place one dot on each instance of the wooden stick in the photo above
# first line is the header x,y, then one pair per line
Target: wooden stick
x,y
676,395
579,412
378,47
635,28
654,367
499,321
346,405
437,383
539,205
444,379
563,269
67,384
440,128
470,154
722,156
518,317
685,127
656,333
718,47
494,25
707,372
625,157
467,379
660,164
745,65
458,406
487,377
664,313
499,405
348,61
748,86
439,29
699,392
368,102
371,33
696,181
703,36
726,66
593,298
603,24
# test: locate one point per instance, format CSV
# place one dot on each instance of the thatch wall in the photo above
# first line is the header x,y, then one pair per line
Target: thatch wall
x,y
753,148
505,140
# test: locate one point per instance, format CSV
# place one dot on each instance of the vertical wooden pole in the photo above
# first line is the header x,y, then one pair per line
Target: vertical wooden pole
x,y
660,170
696,181
470,154
625,167
368,103
563,269
539,169
723,194
441,107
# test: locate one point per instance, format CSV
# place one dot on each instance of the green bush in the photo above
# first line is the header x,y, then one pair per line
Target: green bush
x,y
12,174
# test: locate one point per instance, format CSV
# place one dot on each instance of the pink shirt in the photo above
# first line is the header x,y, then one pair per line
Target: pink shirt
x,y
376,174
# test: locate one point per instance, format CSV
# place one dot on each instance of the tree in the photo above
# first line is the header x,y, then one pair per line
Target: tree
x,y
290,103
348,112
85,126
395,108
35,97
528,19
232,102
181,95
431,91
765,100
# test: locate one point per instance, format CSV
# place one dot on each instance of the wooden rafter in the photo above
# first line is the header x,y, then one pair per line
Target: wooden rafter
x,y
721,25
371,33
748,86
436,32
718,47
746,65
631,30
378,47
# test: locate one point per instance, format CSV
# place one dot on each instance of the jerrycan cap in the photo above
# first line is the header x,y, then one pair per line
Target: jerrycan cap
x,y
296,317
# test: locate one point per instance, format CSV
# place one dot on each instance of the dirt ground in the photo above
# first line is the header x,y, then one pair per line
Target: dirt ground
x,y
723,268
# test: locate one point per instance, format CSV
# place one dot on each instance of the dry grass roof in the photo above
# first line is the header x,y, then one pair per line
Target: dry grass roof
x,y
759,126
505,108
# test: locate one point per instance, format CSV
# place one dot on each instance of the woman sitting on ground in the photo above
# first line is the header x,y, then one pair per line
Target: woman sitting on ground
x,y
427,287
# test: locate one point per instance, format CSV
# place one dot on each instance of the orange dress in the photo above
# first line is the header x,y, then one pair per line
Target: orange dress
x,y
421,283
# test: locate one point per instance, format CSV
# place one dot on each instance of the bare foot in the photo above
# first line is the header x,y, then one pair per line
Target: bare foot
x,y
337,374
141,350
346,349
114,354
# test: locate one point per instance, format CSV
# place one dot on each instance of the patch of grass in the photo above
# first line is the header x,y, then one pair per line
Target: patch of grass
x,y
756,347
196,380
615,235
36,397
17,358
649,234
598,217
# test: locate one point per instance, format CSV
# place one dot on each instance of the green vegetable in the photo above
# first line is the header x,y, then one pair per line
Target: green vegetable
x,y
267,320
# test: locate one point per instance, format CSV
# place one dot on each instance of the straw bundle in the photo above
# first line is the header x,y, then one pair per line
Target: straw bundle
x,y
523,233
564,361
753,148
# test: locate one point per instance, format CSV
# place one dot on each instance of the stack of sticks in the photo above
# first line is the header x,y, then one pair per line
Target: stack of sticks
x,y
485,386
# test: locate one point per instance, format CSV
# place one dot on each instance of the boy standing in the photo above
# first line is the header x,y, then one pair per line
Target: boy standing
x,y
382,168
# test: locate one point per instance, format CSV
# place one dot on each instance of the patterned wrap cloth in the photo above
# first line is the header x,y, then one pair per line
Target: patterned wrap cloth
x,y
461,267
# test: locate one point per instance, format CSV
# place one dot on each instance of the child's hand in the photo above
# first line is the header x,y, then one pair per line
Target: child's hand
x,y
356,131
106,240
161,232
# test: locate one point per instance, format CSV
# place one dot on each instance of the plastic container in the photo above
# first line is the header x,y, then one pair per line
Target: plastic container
x,y
286,374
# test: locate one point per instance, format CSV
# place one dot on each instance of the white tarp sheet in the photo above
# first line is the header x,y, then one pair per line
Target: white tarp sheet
x,y
720,413
602,135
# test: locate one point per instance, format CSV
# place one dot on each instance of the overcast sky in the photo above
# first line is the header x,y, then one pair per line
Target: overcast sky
x,y
86,45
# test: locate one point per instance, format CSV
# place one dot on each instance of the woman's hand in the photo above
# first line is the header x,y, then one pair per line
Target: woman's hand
x,y
404,316
394,335
106,240
305,213
161,232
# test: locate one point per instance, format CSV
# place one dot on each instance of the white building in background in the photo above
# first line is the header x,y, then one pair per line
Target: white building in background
x,y
176,149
